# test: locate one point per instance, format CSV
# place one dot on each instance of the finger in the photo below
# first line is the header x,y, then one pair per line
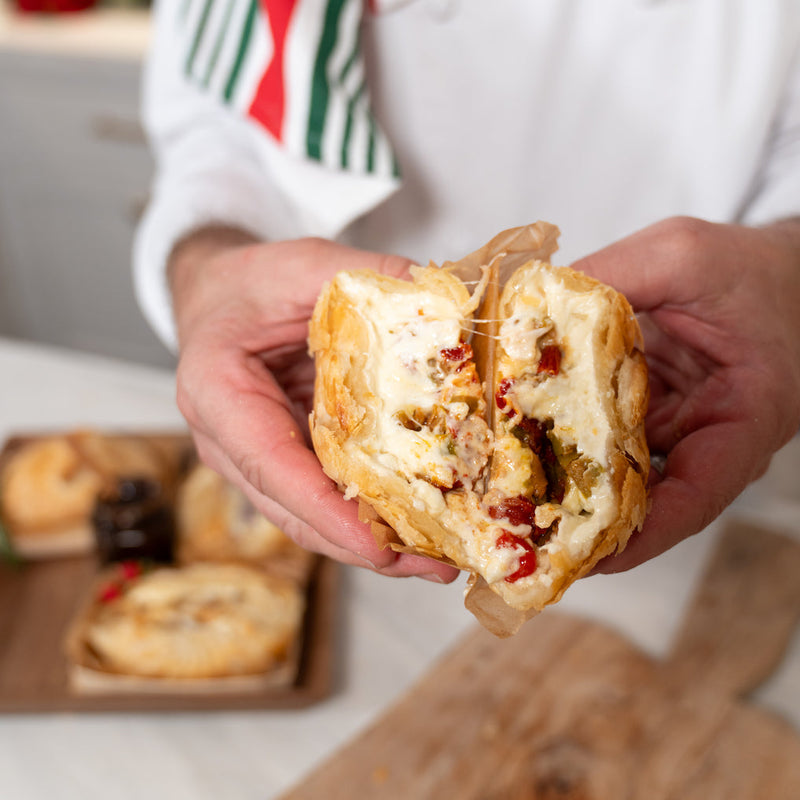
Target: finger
x,y
704,473
350,541
392,564
654,266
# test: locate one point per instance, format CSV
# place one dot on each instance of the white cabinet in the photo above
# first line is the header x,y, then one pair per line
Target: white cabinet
x,y
74,174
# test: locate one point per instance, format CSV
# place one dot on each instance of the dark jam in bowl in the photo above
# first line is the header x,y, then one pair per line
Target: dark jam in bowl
x,y
133,520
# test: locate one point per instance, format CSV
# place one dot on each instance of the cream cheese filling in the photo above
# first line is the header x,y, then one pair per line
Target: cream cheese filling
x,y
573,399
409,330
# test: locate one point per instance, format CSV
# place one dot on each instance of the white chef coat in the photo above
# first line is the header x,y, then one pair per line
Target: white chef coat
x,y
601,116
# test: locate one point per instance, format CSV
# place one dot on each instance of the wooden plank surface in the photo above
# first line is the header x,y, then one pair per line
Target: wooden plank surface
x,y
569,709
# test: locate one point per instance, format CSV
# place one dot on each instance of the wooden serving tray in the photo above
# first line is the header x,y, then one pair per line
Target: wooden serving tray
x,y
39,599
41,594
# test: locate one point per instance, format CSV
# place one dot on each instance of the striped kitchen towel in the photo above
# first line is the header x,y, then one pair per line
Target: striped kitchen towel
x,y
295,67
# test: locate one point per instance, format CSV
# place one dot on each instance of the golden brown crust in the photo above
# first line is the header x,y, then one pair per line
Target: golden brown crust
x,y
343,422
351,431
46,484
196,622
49,484
215,522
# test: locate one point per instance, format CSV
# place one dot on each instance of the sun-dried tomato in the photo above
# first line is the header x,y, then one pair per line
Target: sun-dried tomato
x,y
527,566
517,510
502,390
509,540
527,561
462,352
533,433
520,510
550,360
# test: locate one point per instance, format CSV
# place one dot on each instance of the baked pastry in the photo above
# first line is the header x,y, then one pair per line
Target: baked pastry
x,y
49,484
216,522
509,442
202,621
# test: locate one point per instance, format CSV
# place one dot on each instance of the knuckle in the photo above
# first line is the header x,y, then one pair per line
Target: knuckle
x,y
184,401
686,236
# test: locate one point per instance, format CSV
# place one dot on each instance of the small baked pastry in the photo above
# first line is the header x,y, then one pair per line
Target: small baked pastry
x,y
202,621
508,442
216,522
49,485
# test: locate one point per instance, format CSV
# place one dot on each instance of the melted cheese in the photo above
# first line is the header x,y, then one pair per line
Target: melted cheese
x,y
573,399
409,331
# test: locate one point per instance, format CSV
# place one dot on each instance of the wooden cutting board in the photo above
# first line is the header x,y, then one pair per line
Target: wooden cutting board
x,y
569,710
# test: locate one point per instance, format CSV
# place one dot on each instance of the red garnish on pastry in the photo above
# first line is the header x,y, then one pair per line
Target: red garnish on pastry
x,y
109,592
550,361
130,570
527,566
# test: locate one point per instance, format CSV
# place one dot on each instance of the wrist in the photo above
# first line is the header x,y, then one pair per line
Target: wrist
x,y
193,252
191,259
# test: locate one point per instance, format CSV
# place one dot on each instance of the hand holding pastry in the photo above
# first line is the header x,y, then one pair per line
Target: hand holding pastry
x,y
245,382
490,413
720,312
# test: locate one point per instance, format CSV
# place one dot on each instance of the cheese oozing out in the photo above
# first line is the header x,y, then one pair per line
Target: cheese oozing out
x,y
430,426
447,443
569,406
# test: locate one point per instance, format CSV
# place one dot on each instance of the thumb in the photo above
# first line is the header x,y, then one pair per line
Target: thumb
x,y
654,266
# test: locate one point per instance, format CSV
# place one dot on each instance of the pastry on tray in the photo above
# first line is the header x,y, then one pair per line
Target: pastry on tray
x,y
199,627
216,522
49,484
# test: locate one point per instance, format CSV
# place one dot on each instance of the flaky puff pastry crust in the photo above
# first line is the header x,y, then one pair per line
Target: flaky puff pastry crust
x,y
344,422
351,418
49,484
216,522
196,622
608,353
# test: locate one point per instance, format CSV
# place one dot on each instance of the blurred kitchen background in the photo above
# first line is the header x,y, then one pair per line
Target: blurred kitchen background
x,y
75,172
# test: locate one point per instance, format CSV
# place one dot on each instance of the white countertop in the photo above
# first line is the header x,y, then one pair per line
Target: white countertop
x,y
391,629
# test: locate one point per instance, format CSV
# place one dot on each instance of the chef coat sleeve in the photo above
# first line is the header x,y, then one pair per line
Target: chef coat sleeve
x,y
217,165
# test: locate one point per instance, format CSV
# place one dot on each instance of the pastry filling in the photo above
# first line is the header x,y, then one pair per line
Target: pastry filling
x,y
453,426
431,423
548,471
542,471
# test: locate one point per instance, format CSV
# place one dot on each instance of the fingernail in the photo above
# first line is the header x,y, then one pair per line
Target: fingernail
x,y
434,577
365,561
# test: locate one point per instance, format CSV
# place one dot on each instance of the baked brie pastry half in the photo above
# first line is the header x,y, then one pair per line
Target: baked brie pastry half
x,y
198,622
493,422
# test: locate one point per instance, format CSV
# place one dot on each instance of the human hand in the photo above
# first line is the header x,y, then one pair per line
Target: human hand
x,y
720,313
245,383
